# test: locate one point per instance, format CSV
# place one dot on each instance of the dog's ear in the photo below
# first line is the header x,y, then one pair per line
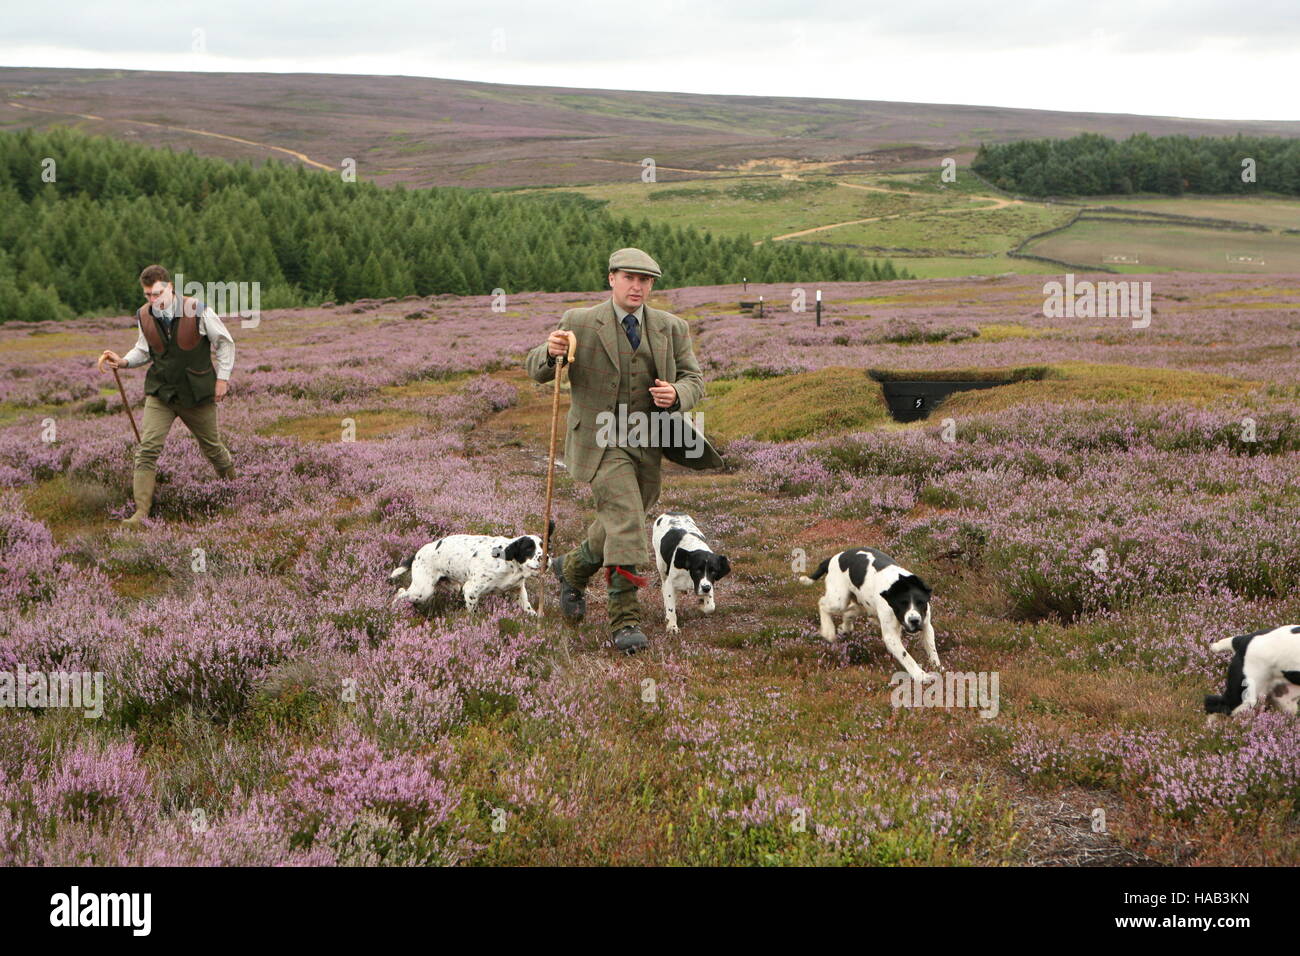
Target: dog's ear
x,y
722,567
924,587
518,549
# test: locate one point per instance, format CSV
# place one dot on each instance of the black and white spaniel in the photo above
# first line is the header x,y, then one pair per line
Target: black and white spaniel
x,y
686,563
863,579
480,564
1263,663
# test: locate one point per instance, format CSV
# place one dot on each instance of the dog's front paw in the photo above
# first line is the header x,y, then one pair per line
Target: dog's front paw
x,y
673,629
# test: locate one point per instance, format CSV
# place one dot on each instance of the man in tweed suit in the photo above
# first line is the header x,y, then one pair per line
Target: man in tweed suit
x,y
640,358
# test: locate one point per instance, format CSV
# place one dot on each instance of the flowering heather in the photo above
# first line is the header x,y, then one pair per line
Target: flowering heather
x,y
28,558
85,808
1235,766
899,325
1109,512
266,702
423,681
330,789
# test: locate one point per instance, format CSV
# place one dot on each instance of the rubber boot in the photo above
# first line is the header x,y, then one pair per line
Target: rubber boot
x,y
142,485
624,609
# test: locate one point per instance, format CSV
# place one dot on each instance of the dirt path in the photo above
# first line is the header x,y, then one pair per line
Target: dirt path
x,y
997,203
671,169
301,157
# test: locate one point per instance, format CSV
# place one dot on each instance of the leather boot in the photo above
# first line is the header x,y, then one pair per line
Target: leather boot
x,y
574,570
227,473
624,610
142,485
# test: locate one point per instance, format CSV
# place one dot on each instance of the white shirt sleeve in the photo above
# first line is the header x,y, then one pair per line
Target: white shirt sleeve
x,y
223,346
139,353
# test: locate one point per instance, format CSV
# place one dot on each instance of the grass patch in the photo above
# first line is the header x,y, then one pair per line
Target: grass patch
x,y
1085,381
1002,331
425,387
788,407
370,424
1018,374
66,504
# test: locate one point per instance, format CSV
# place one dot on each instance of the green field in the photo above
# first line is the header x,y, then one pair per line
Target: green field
x,y
946,267
761,207
1277,213
957,231
1164,248
940,229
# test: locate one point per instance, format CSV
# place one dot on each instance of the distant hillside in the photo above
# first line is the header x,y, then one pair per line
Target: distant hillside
x,y
447,132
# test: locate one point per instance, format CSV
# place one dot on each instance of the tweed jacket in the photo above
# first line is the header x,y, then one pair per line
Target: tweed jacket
x,y
594,377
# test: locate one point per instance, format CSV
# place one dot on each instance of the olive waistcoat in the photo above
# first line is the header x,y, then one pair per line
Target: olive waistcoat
x,y
181,373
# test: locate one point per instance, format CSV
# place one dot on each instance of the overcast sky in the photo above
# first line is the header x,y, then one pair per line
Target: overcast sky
x,y
1190,58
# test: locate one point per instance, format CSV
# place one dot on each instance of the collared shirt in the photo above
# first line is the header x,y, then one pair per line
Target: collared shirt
x,y
639,313
210,324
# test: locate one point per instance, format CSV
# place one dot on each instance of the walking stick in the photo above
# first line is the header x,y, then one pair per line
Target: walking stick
x,y
129,414
560,362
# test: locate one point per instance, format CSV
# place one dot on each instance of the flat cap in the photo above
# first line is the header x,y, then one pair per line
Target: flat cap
x,y
634,260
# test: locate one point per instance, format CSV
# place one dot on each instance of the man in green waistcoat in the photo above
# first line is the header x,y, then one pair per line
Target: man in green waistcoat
x,y
181,338
633,363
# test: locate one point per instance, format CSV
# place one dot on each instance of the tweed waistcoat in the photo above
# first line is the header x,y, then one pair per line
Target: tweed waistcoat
x,y
636,372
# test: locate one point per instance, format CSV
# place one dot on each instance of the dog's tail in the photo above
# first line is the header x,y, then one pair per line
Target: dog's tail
x,y
819,573
402,570
1223,645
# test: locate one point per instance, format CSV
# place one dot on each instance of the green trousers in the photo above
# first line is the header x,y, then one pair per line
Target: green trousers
x,y
626,487
201,420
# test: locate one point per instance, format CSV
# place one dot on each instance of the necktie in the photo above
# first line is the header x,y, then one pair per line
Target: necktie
x,y
633,331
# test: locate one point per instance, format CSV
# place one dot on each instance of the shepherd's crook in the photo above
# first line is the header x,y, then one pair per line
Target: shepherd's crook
x,y
129,414
560,362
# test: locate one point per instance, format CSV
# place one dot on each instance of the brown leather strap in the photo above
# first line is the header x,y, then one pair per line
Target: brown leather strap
x,y
185,326
149,326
